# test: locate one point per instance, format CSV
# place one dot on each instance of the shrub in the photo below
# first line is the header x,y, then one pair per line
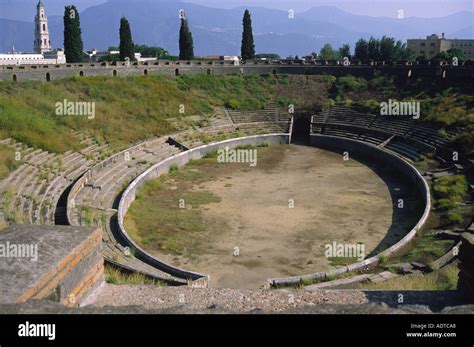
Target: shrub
x,y
233,104
174,168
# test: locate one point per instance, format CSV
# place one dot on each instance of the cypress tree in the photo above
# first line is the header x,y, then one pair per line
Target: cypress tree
x,y
73,46
127,47
248,46
186,45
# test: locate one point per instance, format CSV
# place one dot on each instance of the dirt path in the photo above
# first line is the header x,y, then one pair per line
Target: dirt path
x,y
334,201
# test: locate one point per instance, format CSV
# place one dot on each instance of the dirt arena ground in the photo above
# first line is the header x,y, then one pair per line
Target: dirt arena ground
x,y
252,232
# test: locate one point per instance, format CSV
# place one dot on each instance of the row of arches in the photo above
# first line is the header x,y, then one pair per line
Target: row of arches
x,y
208,71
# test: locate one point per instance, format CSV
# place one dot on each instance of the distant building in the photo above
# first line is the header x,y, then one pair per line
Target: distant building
x,y
43,54
232,58
42,42
433,45
18,58
94,56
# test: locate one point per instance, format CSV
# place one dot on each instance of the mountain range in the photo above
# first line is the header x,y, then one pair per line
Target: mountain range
x,y
218,31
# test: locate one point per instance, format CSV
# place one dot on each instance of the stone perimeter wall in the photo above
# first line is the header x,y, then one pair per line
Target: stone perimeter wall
x,y
163,167
375,154
466,267
53,72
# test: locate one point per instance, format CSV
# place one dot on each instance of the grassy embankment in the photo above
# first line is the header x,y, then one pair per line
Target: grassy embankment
x,y
127,109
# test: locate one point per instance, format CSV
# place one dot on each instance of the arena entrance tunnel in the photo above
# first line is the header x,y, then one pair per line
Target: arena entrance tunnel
x,y
301,131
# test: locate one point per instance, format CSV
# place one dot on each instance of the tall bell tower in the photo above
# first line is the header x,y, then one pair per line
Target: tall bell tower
x,y
42,42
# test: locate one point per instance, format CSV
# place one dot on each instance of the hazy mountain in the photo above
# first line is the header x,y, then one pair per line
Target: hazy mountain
x,y
465,32
15,33
23,10
411,27
218,31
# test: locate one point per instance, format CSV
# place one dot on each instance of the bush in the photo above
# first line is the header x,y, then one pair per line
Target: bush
x,y
351,84
174,168
450,192
233,104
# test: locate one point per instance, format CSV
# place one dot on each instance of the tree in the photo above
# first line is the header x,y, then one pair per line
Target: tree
x,y
248,46
73,46
152,51
186,45
345,51
373,49
387,48
455,52
127,47
327,53
362,50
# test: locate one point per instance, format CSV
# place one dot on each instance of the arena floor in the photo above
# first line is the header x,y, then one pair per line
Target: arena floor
x,y
253,234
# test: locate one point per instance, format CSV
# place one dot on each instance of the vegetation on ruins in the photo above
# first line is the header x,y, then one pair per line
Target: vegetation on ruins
x,y
450,192
128,110
248,45
116,276
443,279
140,107
73,46
186,45
126,46
7,161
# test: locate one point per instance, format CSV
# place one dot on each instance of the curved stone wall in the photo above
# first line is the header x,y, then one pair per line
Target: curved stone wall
x,y
375,154
163,167
89,174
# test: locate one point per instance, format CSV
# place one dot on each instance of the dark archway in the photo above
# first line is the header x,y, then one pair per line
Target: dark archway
x,y
209,71
145,72
48,77
115,72
14,78
81,73
301,129
176,72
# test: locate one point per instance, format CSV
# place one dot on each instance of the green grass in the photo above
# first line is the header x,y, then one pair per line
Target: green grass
x,y
444,279
450,192
426,249
127,109
8,163
115,276
342,261
166,218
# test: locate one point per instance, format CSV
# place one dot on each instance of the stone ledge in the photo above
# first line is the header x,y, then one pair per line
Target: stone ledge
x,y
69,264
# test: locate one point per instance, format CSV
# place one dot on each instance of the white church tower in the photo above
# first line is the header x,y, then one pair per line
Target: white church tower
x,y
42,42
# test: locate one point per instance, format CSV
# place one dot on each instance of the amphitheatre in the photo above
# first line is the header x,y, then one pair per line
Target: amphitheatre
x,y
331,171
